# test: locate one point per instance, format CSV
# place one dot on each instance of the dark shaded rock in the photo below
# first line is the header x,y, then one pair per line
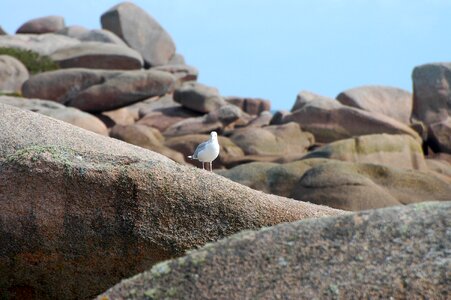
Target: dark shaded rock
x,y
198,97
79,211
440,136
140,31
399,252
42,25
431,92
163,118
2,32
353,186
225,114
58,111
121,116
252,106
390,101
194,125
12,74
96,55
397,151
273,140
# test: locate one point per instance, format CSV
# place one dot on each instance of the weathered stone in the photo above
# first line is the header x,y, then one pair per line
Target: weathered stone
x,y
44,44
12,74
398,151
183,73
398,252
58,111
165,117
96,55
140,31
177,59
97,90
432,92
194,125
252,106
270,177
121,116
198,97
42,25
440,136
146,137
102,36
79,211
329,121
263,119
273,140
187,144
74,31
2,32
305,97
353,186
390,101
225,114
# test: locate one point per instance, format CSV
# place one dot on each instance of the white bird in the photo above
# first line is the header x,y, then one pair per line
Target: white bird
x,y
207,151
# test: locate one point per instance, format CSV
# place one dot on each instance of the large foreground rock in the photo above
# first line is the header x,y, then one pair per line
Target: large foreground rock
x,y
98,90
399,253
390,101
79,212
97,55
58,111
140,31
330,121
397,151
12,74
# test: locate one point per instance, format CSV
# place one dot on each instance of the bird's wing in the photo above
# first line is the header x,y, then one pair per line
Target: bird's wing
x,y
200,148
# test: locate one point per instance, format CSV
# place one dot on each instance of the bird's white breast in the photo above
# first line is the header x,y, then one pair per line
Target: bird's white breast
x,y
210,153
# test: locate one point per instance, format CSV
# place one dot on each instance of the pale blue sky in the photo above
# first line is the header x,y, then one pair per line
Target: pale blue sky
x,y
275,48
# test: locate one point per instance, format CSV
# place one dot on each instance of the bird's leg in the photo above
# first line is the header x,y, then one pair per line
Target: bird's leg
x,y
211,166
203,168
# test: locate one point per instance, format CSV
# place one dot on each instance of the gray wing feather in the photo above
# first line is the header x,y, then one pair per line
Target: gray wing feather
x,y
200,148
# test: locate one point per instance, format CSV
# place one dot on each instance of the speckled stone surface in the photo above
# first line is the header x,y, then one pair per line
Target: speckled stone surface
x,y
392,253
80,211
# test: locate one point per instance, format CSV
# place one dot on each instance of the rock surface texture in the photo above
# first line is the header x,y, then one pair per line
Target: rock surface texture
x,y
81,211
399,251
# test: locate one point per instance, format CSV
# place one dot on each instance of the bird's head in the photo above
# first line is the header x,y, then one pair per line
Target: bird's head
x,y
214,135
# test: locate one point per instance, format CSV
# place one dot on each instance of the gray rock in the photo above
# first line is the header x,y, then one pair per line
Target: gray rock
x,y
42,25
58,111
198,97
432,92
305,97
81,211
399,252
74,31
12,74
181,72
102,36
44,44
97,55
140,31
390,101
2,32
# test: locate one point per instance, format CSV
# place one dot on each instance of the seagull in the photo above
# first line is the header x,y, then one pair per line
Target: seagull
x,y
207,151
